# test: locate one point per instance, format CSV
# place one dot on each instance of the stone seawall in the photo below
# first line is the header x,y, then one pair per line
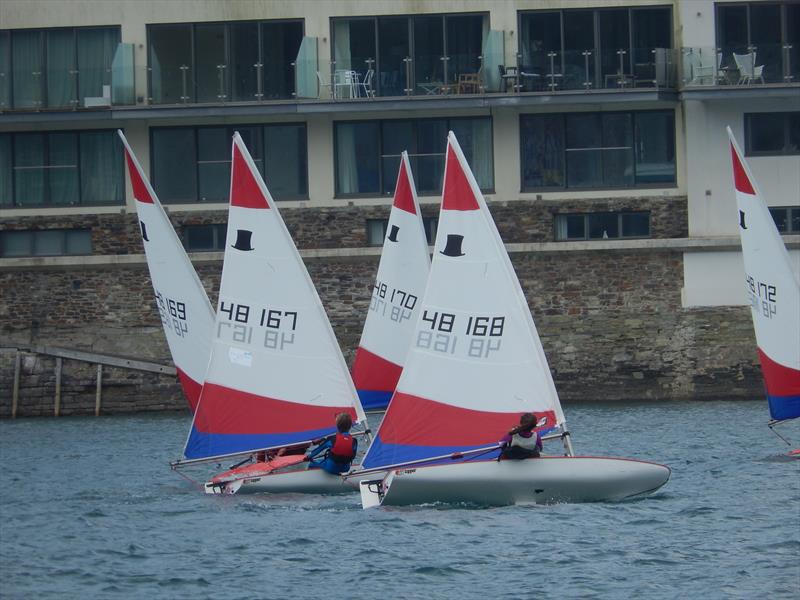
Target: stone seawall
x,y
611,323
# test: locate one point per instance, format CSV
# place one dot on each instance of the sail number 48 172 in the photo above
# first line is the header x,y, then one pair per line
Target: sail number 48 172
x,y
763,297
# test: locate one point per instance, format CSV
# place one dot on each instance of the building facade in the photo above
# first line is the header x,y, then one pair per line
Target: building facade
x,y
596,130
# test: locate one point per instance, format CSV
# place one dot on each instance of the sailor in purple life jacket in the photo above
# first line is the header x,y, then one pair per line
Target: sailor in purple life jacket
x,y
522,441
339,450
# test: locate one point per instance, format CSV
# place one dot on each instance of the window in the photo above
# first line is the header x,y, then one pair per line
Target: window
x,y
204,238
367,153
50,242
61,168
219,62
193,164
597,150
376,230
596,226
57,68
594,48
787,218
401,47
772,134
771,30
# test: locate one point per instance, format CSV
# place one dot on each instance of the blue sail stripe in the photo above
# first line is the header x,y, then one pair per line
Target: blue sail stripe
x,y
374,400
784,407
203,445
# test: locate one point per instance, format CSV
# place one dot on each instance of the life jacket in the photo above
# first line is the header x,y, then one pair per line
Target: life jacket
x,y
527,443
342,449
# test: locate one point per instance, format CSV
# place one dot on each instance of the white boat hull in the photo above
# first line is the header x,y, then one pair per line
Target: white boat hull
x,y
312,481
497,483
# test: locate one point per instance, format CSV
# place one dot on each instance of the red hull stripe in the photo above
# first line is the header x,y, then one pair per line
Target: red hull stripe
x,y
402,191
457,190
245,192
779,379
140,192
740,179
371,372
224,410
414,421
191,389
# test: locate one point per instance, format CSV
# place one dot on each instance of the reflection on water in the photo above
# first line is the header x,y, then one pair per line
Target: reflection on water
x,y
89,508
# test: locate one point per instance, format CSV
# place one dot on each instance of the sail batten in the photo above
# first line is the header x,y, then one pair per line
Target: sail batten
x,y
773,292
476,362
394,305
276,375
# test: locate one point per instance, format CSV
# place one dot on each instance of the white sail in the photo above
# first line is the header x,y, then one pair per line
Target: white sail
x,y
276,375
476,361
186,313
773,292
395,303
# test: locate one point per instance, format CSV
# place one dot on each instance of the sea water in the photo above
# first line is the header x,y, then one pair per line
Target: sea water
x,y
90,509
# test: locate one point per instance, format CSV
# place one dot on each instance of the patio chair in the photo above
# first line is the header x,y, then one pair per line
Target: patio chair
x,y
469,83
748,71
366,85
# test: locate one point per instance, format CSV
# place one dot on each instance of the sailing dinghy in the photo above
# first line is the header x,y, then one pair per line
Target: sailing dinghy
x,y
186,314
276,376
475,365
773,291
394,307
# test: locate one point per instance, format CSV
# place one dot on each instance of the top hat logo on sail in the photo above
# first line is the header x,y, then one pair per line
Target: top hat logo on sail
x,y
243,240
144,231
741,220
453,246
393,233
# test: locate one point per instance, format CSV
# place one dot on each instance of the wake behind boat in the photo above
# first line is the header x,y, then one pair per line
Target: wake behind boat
x,y
773,292
475,365
186,313
276,377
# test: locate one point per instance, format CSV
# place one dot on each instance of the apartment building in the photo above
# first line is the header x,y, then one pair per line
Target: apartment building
x,y
595,128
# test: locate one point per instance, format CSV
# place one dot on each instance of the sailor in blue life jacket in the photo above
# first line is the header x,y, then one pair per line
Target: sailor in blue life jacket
x,y
523,441
338,451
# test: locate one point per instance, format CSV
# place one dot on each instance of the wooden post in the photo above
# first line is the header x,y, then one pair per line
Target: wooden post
x,y
15,392
57,410
99,392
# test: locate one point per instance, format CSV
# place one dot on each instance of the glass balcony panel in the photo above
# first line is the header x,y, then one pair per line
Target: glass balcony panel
x,y
463,47
170,61
244,74
493,61
27,68
307,74
393,52
280,44
96,49
540,33
123,76
430,68
211,77
61,72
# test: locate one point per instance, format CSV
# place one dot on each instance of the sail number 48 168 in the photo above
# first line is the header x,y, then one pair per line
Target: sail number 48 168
x,y
438,333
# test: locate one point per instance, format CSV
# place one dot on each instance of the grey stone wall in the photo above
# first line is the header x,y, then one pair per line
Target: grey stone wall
x,y
611,322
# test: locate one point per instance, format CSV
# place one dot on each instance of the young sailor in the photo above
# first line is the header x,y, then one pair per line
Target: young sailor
x,y
522,441
339,450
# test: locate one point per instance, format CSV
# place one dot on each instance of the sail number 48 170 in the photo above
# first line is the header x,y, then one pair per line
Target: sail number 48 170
x,y
438,332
